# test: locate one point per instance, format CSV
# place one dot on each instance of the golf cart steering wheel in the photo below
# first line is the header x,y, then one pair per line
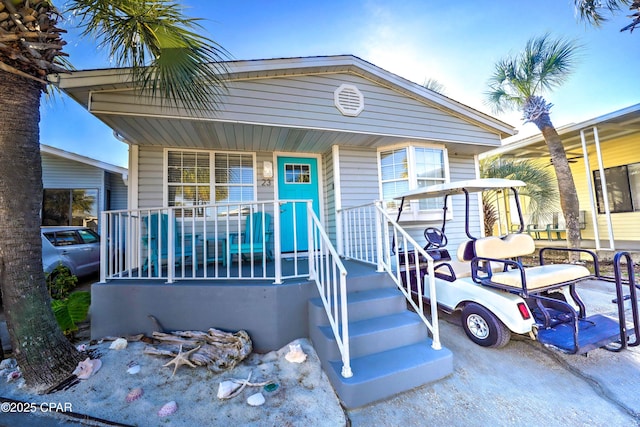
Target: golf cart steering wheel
x,y
435,238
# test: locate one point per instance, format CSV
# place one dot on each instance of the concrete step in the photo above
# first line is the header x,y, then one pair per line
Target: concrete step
x,y
368,280
389,346
372,335
381,375
362,305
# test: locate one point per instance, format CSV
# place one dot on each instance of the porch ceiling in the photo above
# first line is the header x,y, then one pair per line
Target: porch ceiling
x,y
211,134
609,127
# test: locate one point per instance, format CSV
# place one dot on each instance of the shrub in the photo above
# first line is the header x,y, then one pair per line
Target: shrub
x,y
60,282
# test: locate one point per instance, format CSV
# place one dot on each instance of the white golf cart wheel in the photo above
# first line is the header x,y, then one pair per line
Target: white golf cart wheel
x,y
483,327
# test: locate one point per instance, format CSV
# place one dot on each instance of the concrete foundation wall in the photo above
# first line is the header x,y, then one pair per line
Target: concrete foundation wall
x,y
272,315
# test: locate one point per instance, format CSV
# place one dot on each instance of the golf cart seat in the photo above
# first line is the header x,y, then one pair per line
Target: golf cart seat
x,y
460,266
513,276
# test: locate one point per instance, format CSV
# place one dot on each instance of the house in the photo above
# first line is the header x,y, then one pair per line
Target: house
x,y
296,155
605,164
77,189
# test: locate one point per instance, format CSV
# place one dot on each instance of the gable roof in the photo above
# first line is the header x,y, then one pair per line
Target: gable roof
x,y
108,94
84,160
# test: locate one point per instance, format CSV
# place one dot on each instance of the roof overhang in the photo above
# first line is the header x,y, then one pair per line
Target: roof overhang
x,y
82,85
610,126
84,160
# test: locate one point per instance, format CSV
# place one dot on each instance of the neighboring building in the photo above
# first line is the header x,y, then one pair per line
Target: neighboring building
x,y
600,150
77,189
289,137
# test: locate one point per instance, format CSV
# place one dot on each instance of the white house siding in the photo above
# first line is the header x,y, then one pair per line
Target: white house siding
x,y
305,102
118,189
150,177
58,172
61,173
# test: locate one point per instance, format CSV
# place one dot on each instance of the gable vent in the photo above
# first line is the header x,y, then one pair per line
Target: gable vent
x,y
348,100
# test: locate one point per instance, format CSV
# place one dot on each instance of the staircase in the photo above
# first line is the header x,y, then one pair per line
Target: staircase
x,y
390,346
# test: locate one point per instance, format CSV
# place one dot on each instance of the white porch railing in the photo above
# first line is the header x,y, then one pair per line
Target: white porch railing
x,y
370,235
330,276
218,241
226,241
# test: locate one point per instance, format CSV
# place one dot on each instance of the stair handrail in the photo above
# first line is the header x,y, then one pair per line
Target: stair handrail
x,y
413,258
325,269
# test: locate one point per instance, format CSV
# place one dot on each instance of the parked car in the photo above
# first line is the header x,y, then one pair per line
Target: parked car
x,y
77,248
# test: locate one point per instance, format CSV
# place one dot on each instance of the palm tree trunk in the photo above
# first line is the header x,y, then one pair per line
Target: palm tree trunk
x,y
566,186
43,353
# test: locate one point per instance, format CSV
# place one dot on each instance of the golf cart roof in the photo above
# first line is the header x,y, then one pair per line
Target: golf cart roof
x,y
458,187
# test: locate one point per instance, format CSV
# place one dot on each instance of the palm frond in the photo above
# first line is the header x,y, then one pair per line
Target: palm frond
x,y
542,65
166,51
541,190
591,10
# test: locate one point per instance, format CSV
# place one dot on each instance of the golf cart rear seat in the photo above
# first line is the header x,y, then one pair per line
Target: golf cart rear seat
x,y
513,276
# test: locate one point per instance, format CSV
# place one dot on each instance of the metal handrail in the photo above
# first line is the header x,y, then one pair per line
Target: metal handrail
x,y
406,267
330,276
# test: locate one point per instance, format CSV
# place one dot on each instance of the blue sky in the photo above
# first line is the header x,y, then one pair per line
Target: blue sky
x,y
456,43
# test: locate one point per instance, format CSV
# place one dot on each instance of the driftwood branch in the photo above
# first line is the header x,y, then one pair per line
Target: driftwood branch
x,y
218,350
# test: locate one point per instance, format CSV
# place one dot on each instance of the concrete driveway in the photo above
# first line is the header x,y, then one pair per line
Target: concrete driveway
x,y
523,383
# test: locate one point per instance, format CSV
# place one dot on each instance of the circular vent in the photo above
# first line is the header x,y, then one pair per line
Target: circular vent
x,y
348,100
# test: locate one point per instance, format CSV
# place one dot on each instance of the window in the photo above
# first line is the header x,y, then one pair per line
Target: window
x,y
297,173
70,207
234,180
194,176
409,167
188,178
623,188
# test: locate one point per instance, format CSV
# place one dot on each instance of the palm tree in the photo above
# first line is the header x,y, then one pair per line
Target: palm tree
x,y
541,191
434,85
518,82
591,11
167,56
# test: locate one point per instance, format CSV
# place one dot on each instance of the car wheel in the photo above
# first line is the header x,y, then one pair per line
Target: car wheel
x,y
483,327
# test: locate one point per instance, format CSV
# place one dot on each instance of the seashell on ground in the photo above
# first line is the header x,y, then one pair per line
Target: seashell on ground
x,y
81,347
14,375
295,354
256,399
168,409
133,369
134,394
226,388
118,344
87,368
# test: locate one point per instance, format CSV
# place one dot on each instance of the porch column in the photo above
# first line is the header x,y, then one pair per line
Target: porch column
x,y
277,248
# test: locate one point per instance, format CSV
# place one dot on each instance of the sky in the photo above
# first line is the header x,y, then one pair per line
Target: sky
x,y
456,43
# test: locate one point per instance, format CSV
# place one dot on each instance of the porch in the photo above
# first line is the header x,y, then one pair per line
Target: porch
x,y
272,315
182,257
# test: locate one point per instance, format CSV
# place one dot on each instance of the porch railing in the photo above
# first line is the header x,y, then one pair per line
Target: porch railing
x,y
370,235
330,276
217,241
186,243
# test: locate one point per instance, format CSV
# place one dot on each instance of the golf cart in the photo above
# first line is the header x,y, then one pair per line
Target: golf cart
x,y
498,295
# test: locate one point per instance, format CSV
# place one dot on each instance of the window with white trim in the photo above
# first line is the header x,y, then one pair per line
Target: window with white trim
x,y
197,178
405,168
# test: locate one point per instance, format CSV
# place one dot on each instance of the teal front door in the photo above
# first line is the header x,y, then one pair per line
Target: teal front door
x,y
297,180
